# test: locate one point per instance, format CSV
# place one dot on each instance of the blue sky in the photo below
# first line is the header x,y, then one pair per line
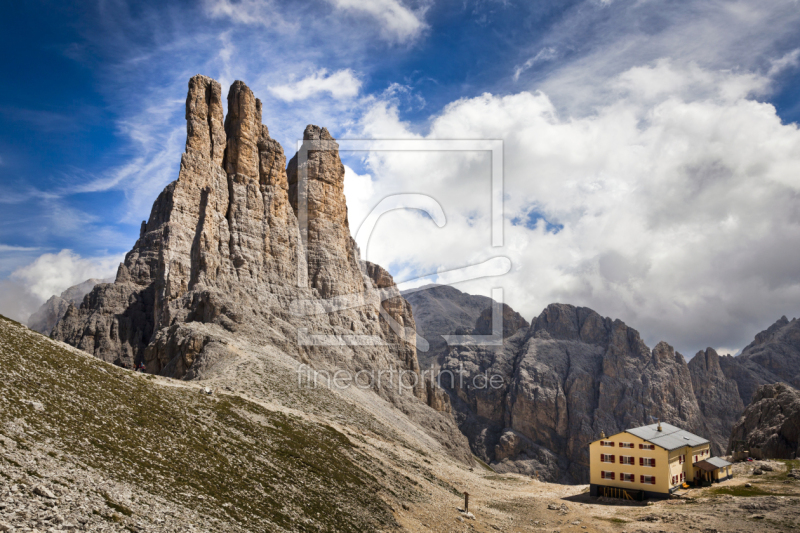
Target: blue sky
x,y
651,147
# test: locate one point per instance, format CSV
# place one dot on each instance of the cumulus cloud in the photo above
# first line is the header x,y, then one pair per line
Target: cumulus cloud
x,y
51,273
674,210
398,23
340,84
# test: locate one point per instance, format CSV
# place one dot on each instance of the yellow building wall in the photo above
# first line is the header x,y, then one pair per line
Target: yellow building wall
x,y
662,470
667,463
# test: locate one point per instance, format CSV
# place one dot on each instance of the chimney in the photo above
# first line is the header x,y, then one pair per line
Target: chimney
x,y
659,425
602,434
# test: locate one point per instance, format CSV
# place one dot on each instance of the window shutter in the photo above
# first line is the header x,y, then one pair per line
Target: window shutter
x,y
652,462
641,479
612,475
641,461
613,459
653,480
641,446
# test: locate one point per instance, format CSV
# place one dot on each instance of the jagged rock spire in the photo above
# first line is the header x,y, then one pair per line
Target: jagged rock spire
x,y
333,258
204,129
221,260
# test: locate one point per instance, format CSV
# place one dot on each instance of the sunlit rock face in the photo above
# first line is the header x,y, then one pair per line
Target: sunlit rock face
x,y
223,253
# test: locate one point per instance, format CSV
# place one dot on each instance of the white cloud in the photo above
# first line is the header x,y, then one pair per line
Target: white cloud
x,y
677,207
261,12
51,274
545,54
340,85
398,23
790,59
7,248
358,191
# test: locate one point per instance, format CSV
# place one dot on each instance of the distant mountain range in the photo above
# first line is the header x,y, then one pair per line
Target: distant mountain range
x,y
572,373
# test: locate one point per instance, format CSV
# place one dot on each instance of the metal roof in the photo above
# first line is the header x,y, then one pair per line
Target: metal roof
x,y
669,438
717,462
705,466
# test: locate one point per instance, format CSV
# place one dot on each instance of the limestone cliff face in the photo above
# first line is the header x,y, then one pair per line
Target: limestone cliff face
x,y
568,377
718,397
770,426
773,356
47,316
223,252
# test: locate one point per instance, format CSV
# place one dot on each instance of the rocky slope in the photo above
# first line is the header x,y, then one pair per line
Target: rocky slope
x,y
90,446
171,458
773,356
770,426
47,316
222,257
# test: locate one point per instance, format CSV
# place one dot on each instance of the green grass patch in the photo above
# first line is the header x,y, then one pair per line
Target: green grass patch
x,y
741,490
612,520
482,464
505,479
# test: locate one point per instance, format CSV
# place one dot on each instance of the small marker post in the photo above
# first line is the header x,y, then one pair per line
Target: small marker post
x,y
466,502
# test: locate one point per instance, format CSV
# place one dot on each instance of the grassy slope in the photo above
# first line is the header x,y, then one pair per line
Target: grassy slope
x,y
274,471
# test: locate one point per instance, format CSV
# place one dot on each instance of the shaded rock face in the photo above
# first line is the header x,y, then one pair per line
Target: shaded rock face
x,y
47,316
770,426
717,396
512,322
442,310
773,356
569,376
223,252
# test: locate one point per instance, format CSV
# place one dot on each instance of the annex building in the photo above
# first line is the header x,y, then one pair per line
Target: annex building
x,y
652,461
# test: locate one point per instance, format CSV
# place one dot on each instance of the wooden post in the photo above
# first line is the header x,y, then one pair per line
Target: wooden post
x,y
466,502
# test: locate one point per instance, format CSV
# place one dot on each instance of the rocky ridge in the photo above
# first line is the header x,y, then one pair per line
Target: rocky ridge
x,y
770,426
717,396
566,378
773,356
47,316
222,256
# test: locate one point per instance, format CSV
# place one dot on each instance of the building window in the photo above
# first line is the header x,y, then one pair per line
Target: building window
x,y
625,460
648,480
647,461
630,478
682,477
606,458
647,446
607,475
606,443
626,445
681,459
